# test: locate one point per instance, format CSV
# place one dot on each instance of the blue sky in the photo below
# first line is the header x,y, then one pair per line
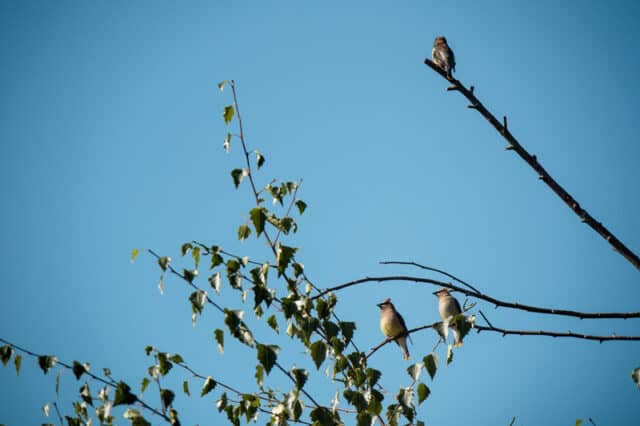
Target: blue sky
x,y
111,138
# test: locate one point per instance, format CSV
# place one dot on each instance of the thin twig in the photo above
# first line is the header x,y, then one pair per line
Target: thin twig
x,y
394,338
537,167
429,268
478,295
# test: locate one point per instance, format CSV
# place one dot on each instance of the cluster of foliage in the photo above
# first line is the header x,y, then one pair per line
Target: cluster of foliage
x,y
282,294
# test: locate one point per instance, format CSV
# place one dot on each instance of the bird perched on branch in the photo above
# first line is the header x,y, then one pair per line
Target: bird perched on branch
x,y
449,307
443,56
392,324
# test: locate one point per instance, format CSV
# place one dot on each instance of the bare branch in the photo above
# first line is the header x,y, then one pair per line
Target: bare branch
x,y
537,167
394,338
600,339
485,297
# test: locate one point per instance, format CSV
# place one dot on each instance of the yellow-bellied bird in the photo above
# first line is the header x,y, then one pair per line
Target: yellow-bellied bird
x,y
443,56
449,307
392,324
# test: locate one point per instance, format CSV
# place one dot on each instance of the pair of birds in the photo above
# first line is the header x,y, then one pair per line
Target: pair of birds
x,y
392,324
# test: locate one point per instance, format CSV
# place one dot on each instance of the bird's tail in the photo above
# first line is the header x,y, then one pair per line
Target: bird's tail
x,y
402,342
457,338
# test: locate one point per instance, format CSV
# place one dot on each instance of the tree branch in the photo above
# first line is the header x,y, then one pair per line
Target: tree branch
x,y
394,338
543,175
601,339
485,297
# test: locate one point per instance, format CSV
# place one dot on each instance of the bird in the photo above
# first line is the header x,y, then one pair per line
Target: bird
x,y
449,307
443,56
392,324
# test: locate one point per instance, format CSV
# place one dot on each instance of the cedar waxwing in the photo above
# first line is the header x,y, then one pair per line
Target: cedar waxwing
x,y
392,324
443,56
449,307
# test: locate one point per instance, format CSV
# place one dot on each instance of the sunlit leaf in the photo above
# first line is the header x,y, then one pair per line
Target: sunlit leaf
x,y
259,374
145,383
259,159
46,362
227,143
243,232
219,336
45,408
208,386
134,254
273,323
300,375
228,114
258,217
164,262
283,258
449,354
185,387
414,370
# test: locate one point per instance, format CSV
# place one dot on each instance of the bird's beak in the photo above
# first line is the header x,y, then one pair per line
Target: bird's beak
x,y
379,305
436,292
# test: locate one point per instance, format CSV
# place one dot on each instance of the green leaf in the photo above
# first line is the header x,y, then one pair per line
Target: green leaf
x,y
414,370
17,360
237,175
145,383
423,392
441,330
215,280
373,376
243,232
356,399
222,84
259,159
300,375
78,369
635,376
124,395
167,396
46,362
195,254
259,375
107,372
267,355
219,336
221,404
164,365
134,254
318,353
5,354
578,422
164,262
449,354
58,382
208,386
347,329
190,274
198,299
301,205
176,358
228,114
430,362
273,323
258,217
85,394
285,254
